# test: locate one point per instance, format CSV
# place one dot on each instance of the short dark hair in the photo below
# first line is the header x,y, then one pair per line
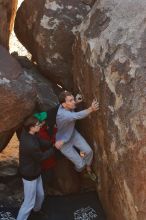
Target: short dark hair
x,y
63,95
30,122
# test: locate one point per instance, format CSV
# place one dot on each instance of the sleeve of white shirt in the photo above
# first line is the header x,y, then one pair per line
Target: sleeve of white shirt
x,y
72,116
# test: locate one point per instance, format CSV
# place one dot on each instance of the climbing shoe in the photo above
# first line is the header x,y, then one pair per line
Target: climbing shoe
x,y
91,175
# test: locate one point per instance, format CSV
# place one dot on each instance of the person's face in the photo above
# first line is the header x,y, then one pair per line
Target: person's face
x,y
69,103
36,127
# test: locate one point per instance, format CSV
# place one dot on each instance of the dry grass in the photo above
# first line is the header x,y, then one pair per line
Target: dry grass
x,y
10,153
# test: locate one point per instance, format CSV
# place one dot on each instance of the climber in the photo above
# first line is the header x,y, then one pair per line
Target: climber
x,y
67,136
30,157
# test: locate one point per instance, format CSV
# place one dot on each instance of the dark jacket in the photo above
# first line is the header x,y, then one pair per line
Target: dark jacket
x,y
31,156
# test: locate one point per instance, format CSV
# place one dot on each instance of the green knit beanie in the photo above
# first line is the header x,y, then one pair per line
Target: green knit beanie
x,y
41,116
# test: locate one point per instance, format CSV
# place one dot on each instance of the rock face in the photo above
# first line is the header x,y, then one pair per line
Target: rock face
x,y
46,28
46,97
66,180
17,94
110,58
7,14
89,2
45,90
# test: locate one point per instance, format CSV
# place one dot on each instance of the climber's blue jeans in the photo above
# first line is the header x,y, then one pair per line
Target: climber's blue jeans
x,y
69,151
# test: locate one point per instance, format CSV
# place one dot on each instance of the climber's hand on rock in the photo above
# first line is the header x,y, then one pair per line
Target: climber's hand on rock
x,y
95,105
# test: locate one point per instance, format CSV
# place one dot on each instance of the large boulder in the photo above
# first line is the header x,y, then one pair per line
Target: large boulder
x,y
46,28
110,60
47,92
46,97
7,15
17,94
38,93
